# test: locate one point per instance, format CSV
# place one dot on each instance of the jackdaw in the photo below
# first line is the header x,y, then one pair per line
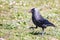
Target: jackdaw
x,y
39,21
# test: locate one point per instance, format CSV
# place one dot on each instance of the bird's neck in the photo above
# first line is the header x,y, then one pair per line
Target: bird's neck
x,y
37,15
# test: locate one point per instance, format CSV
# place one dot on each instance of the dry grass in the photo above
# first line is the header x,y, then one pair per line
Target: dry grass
x,y
15,19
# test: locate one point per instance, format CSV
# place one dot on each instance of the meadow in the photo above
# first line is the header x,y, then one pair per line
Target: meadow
x,y
15,19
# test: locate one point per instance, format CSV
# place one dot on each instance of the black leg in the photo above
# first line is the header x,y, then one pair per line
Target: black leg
x,y
36,26
33,27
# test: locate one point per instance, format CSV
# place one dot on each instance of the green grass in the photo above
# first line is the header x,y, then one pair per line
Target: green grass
x,y
15,19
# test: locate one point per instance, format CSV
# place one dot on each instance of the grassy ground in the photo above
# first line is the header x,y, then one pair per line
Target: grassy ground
x,y
15,19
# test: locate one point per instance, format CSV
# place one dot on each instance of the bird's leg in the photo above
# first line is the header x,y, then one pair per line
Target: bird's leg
x,y
42,31
36,26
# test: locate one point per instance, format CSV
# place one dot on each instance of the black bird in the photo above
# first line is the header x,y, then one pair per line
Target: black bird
x,y
39,21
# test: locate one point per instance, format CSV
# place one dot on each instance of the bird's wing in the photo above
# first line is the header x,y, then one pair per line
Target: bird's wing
x,y
47,23
41,21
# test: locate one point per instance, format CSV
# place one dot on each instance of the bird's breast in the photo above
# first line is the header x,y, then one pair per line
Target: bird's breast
x,y
35,21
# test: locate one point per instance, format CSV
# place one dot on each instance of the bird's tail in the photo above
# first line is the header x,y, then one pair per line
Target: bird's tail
x,y
51,25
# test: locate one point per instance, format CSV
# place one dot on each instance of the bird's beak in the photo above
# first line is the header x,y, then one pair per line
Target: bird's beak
x,y
29,11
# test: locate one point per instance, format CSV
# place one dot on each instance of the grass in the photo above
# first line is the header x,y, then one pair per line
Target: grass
x,y
15,19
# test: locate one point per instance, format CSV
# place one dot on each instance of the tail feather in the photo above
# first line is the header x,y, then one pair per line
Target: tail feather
x,y
51,25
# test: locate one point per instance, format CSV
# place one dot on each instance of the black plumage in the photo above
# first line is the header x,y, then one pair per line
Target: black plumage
x,y
39,21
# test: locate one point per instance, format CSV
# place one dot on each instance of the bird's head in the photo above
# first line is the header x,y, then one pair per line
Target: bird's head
x,y
32,10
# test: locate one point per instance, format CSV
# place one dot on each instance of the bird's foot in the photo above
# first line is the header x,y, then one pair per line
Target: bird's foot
x,y
42,33
32,28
